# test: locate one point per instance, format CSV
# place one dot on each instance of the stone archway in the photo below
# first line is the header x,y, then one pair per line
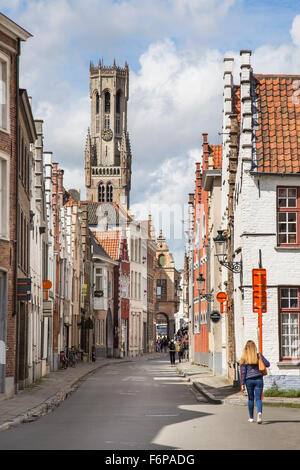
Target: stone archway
x,y
164,326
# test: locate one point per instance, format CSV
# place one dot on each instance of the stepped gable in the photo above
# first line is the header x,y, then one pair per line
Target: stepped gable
x,y
278,133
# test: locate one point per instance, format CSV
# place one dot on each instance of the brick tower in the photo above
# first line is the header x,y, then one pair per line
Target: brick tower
x,y
107,152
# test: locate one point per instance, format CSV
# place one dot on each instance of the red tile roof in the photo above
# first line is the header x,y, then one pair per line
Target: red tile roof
x,y
110,242
278,133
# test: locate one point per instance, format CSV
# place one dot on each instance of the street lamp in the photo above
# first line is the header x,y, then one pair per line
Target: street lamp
x,y
221,245
200,286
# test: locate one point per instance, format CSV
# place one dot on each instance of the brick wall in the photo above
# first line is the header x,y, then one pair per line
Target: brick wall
x,y
7,248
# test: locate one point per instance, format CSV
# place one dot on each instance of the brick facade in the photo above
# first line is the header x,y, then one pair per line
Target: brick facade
x,y
9,147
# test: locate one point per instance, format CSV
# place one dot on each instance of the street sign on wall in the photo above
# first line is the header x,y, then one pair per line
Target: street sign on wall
x,y
24,289
259,285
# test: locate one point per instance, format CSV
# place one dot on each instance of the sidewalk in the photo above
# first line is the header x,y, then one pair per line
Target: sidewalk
x,y
219,390
42,397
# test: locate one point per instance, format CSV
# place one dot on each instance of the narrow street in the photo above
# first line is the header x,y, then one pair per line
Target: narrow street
x,y
145,405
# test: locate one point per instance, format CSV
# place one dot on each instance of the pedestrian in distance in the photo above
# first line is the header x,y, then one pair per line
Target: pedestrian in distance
x,y
165,344
172,350
252,378
93,353
178,346
181,351
158,344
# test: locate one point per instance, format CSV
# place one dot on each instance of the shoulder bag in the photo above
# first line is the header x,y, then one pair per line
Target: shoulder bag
x,y
261,366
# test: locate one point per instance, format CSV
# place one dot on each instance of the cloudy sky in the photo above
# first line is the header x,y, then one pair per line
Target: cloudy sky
x,y
175,51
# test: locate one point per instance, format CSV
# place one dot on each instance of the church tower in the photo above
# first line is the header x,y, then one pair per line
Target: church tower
x,y
107,151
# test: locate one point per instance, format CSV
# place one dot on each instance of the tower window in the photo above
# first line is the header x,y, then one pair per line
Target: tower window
x,y
118,126
97,103
107,102
109,192
101,193
118,102
107,122
161,260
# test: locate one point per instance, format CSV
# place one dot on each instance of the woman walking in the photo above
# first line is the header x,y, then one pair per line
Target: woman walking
x,y
252,378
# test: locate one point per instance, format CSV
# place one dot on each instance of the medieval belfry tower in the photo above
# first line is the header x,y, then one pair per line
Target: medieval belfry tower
x,y
107,151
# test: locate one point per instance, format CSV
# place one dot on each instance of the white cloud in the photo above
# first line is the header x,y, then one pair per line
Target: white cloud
x,y
295,31
172,101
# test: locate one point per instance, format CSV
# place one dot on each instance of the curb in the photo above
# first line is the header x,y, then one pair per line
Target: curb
x,y
53,402
209,396
200,388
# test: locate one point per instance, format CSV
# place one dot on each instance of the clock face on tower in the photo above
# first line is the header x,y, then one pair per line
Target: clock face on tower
x,y
107,134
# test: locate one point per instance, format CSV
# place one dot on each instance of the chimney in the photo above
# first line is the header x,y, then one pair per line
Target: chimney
x,y
198,183
205,152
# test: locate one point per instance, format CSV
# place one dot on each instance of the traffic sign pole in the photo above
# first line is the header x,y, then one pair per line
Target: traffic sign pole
x,y
259,284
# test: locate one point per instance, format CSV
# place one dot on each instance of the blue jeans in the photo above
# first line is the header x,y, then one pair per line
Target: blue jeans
x,y
254,388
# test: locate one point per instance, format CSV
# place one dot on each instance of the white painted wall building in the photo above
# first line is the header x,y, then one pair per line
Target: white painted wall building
x,y
263,191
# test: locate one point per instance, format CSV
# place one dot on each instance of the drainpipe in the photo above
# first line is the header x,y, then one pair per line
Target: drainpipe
x,y
15,313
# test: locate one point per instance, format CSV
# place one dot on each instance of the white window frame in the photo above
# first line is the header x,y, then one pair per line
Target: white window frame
x,y
99,276
4,196
4,58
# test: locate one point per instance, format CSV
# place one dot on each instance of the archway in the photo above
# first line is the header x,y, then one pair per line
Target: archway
x,y
162,324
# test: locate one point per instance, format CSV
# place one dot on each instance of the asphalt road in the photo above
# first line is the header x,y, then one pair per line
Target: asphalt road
x,y
144,405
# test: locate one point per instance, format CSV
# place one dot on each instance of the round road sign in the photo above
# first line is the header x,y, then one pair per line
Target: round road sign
x,y
221,296
215,316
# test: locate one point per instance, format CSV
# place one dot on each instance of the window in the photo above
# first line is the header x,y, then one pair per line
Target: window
x,y
107,122
161,289
109,192
289,323
118,102
288,207
97,103
107,102
118,126
4,197
101,193
161,260
98,279
4,93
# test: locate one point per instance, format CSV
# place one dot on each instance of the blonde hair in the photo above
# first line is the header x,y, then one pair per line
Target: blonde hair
x,y
249,355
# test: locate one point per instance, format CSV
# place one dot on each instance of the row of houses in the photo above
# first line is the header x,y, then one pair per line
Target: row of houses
x,y
74,274
246,202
